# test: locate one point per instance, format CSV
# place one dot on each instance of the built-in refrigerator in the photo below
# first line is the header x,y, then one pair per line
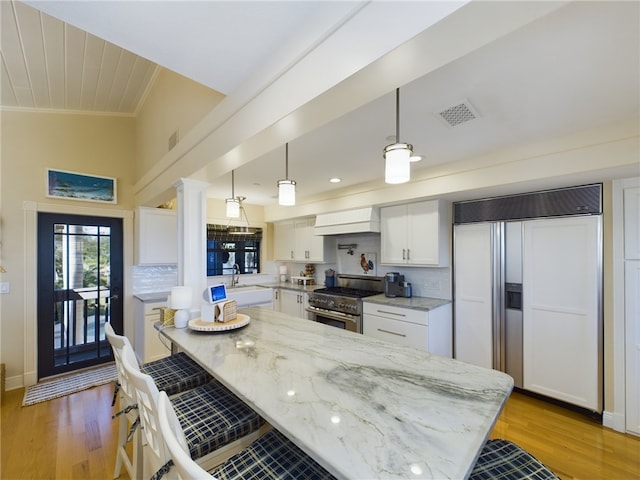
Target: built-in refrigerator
x,y
528,290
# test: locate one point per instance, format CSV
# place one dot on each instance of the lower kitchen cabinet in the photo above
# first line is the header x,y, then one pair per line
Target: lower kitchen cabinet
x,y
147,344
427,330
293,302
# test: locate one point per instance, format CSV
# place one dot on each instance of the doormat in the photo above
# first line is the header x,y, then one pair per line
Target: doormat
x,y
50,389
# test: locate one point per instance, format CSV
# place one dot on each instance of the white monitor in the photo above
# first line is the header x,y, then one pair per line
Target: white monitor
x,y
215,293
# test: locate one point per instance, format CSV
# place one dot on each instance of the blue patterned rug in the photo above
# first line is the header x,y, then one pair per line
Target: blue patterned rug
x,y
50,389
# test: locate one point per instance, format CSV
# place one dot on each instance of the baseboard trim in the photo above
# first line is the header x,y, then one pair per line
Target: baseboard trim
x,y
613,420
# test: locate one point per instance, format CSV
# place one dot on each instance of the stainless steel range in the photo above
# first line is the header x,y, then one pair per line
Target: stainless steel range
x,y
341,306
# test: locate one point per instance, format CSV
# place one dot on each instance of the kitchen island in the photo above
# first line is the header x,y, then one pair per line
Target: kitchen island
x,y
363,408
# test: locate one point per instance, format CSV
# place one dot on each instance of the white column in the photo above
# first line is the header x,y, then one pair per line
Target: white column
x,y
192,236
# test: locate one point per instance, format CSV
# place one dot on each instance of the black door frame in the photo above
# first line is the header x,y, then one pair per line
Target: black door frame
x,y
46,294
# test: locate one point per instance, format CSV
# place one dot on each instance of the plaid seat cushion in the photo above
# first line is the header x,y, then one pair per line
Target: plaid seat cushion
x,y
211,417
176,373
271,456
501,459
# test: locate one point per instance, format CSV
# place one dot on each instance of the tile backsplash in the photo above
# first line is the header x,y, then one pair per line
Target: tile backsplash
x,y
154,278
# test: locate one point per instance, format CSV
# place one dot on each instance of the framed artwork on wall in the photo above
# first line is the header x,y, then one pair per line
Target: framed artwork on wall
x,y
78,186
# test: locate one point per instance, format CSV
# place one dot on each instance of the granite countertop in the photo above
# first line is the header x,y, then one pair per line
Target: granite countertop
x,y
361,407
414,303
292,286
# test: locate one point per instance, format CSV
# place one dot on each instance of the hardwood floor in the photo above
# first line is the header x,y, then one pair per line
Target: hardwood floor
x,y
74,437
568,442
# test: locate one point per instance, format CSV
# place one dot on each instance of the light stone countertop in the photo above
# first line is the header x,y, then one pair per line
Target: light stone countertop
x,y
413,303
362,407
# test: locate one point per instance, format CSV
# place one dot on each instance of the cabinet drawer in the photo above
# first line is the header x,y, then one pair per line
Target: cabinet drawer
x,y
397,313
396,331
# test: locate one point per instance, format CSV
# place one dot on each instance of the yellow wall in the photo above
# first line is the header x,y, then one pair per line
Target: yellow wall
x,y
175,103
31,143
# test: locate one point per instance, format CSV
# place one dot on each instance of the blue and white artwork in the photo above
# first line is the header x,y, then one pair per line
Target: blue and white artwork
x,y
80,187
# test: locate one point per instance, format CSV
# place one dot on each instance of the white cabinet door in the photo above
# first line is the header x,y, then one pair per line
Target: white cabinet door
x,y
293,303
632,223
147,344
415,234
156,236
308,246
283,239
473,318
632,306
632,348
561,310
393,235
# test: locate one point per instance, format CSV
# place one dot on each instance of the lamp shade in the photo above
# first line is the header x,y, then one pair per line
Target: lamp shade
x,y
286,192
397,165
181,298
233,207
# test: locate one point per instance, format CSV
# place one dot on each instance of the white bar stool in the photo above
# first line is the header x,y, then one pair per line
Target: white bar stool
x,y
174,374
215,423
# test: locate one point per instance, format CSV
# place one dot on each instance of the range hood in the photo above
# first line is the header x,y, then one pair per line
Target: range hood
x,y
359,220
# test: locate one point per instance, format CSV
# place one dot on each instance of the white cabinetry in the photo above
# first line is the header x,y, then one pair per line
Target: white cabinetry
x,y
293,302
427,330
156,236
295,241
561,309
632,306
415,234
147,344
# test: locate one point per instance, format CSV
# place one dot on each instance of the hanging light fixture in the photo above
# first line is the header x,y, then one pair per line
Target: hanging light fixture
x,y
243,229
286,187
397,155
233,205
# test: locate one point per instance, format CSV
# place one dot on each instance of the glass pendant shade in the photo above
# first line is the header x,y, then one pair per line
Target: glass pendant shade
x,y
233,207
286,192
397,165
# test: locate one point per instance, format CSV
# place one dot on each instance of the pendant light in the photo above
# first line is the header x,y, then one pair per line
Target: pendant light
x,y
241,229
286,187
397,154
233,204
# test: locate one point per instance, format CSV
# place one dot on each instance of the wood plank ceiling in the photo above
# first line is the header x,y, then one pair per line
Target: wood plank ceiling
x,y
49,64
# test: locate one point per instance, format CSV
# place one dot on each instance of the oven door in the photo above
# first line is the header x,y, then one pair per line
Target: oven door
x,y
353,323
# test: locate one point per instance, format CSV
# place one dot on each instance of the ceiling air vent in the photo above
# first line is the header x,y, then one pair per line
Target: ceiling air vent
x,y
173,140
457,114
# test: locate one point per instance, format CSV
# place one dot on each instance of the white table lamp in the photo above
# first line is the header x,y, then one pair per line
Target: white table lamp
x,y
181,298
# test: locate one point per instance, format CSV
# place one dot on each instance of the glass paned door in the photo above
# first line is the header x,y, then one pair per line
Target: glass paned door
x,y
79,289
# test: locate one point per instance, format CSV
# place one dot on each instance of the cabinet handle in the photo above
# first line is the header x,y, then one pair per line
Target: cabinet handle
x,y
408,254
291,254
392,333
392,313
403,254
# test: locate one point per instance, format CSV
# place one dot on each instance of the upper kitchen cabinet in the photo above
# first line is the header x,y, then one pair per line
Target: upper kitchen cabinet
x,y
295,241
156,236
415,234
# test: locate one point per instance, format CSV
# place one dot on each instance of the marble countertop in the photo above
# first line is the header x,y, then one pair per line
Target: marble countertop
x,y
414,303
362,407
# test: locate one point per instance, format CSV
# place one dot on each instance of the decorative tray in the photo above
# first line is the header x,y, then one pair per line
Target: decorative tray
x,y
240,321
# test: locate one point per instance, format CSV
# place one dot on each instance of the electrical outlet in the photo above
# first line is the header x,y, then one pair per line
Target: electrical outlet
x,y
4,287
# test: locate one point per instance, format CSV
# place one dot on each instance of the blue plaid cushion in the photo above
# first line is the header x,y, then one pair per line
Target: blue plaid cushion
x,y
271,456
211,417
501,459
176,373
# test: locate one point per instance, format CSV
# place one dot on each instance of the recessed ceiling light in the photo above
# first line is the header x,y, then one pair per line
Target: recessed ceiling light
x,y
415,158
335,180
